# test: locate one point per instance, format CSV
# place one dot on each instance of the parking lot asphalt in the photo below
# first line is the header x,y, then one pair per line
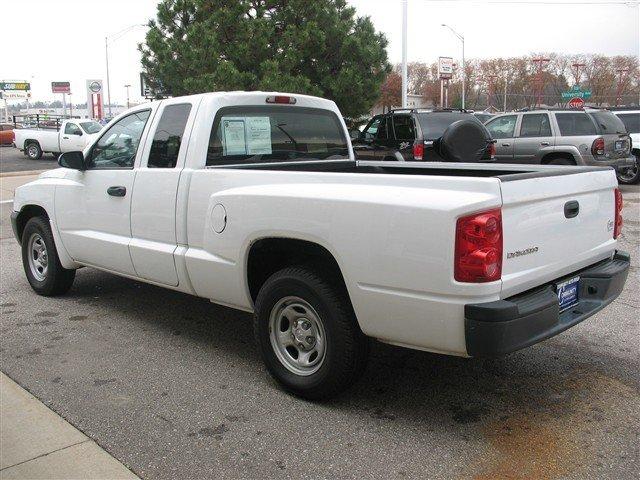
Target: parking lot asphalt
x,y
13,160
172,386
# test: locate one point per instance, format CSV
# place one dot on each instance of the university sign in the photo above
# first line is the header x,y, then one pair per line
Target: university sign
x,y
576,92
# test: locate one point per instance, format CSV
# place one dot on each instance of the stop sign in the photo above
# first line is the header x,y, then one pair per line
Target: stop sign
x,y
576,102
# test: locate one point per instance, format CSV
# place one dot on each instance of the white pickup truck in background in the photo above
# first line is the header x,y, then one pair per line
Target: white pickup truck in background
x,y
254,201
56,136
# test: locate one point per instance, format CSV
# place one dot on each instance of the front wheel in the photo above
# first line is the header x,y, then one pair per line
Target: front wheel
x,y
631,175
40,260
307,333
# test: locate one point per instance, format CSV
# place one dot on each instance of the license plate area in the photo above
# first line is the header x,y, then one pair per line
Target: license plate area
x,y
567,291
620,145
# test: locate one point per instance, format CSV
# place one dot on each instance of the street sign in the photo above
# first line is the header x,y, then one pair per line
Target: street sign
x,y
445,67
576,102
23,86
60,87
576,92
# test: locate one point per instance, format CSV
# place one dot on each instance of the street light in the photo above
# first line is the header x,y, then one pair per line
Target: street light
x,y
127,87
113,38
461,38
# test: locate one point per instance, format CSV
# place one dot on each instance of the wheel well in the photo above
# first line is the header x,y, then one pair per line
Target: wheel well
x,y
549,157
269,255
27,213
636,152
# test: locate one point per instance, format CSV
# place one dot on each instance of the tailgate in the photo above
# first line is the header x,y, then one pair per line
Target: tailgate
x,y
541,241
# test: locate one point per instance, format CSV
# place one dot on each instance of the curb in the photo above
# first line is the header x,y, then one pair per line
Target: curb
x,y
22,174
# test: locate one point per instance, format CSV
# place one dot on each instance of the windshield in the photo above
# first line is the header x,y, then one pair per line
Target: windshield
x,y
435,123
91,127
608,122
631,121
256,134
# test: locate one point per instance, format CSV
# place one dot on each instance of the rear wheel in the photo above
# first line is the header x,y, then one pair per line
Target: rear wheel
x,y
33,151
40,260
631,175
307,333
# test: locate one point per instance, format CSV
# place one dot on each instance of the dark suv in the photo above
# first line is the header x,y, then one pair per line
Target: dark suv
x,y
412,135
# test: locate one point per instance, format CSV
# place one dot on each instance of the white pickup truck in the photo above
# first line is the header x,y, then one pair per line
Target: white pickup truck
x,y
254,201
58,137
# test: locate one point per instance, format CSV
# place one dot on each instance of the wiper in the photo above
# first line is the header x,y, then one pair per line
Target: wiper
x,y
279,126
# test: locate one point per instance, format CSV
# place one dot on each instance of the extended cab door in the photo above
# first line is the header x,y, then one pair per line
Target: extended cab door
x,y
535,138
153,209
71,138
503,129
92,207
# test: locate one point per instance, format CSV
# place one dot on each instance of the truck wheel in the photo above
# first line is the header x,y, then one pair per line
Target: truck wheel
x,y
630,176
40,260
307,333
34,152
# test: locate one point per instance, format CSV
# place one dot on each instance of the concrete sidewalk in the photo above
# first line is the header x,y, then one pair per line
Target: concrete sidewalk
x,y
36,443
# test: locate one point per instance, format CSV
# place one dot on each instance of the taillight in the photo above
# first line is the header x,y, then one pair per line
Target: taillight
x,y
617,227
418,150
281,99
597,147
491,150
478,254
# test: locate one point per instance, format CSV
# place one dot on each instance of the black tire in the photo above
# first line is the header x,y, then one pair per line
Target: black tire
x,y
33,151
346,347
56,280
561,161
631,177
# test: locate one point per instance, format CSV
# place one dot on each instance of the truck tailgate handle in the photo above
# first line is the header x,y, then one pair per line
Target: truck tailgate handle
x,y
571,209
117,191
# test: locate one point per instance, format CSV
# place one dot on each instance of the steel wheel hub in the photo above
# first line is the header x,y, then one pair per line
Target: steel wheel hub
x,y
297,335
38,257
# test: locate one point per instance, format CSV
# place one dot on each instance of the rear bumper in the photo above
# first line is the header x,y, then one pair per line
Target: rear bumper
x,y
618,163
504,326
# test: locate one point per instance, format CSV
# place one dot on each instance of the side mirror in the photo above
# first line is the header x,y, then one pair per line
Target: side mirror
x,y
354,134
73,160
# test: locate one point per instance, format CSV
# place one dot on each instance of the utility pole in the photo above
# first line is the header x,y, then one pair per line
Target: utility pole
x,y
576,74
621,78
404,52
504,108
540,62
106,54
127,87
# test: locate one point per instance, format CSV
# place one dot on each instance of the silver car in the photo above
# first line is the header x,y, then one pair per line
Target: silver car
x,y
562,137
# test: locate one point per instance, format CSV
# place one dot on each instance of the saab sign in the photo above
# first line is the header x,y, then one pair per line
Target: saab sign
x,y
445,67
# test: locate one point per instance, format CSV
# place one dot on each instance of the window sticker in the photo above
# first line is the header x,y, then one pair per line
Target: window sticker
x,y
233,137
258,136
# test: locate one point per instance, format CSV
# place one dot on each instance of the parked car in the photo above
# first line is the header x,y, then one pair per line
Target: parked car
x,y
631,120
255,201
562,137
484,117
6,134
412,135
56,136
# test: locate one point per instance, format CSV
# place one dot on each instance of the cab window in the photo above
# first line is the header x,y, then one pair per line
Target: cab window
x,y
168,137
403,127
72,129
118,145
502,127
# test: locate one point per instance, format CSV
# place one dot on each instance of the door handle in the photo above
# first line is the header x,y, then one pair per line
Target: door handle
x,y
506,144
544,144
117,191
66,138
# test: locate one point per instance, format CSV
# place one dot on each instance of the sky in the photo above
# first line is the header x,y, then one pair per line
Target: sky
x,y
65,39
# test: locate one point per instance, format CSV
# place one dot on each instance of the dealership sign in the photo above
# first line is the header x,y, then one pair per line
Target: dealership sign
x,y
10,86
445,67
576,92
60,87
95,102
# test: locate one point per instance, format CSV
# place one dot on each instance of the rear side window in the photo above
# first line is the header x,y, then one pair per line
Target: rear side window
x,y
258,134
608,123
403,127
502,127
631,121
572,124
435,123
535,125
168,137
383,129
